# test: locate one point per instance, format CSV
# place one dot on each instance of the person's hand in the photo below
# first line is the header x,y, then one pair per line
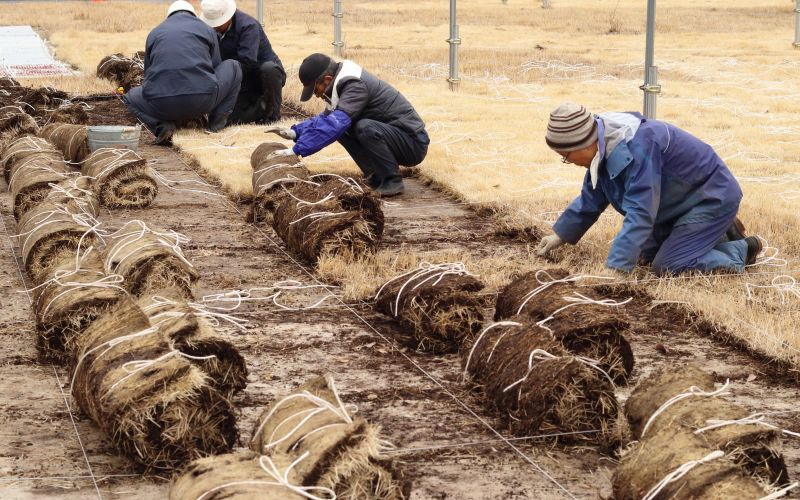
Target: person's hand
x,y
281,153
284,132
548,244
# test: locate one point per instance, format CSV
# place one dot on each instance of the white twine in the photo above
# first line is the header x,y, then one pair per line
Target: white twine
x,y
754,419
170,240
238,297
764,259
544,285
142,364
783,284
680,472
690,392
478,340
167,183
579,299
541,354
281,480
424,273
349,181
317,216
201,310
781,492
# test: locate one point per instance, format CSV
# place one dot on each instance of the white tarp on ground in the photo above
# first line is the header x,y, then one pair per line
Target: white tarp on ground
x,y
24,54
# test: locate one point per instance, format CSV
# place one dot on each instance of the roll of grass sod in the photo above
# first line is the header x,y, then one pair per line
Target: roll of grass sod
x,y
121,178
244,475
15,123
73,114
51,232
438,304
537,294
149,259
539,387
676,465
30,180
155,405
214,354
329,215
686,400
71,140
332,449
27,147
125,72
76,292
272,179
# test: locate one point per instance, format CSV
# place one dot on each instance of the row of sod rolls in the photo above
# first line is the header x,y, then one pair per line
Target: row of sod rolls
x,y
305,445
314,214
160,389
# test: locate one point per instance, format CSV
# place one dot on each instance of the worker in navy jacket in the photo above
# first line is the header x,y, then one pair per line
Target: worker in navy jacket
x,y
374,122
242,39
678,199
184,76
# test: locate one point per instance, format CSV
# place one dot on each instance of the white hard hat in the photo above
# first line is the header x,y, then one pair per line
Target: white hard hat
x,y
180,5
217,12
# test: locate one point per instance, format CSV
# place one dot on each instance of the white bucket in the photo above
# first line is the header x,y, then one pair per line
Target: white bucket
x,y
113,136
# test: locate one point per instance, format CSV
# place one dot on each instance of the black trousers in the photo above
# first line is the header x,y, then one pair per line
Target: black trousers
x,y
260,100
379,148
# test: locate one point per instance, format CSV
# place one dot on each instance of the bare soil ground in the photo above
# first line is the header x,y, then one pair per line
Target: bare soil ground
x,y
49,450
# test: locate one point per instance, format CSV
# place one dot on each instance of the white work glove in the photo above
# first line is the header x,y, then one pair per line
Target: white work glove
x,y
284,132
548,244
280,153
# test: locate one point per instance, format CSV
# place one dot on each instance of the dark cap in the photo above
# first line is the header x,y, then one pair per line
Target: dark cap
x,y
313,67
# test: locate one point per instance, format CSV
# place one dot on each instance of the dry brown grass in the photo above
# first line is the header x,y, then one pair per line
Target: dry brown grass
x,y
729,76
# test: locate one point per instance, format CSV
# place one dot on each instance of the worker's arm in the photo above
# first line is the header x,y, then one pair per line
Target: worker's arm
x,y
582,213
640,204
320,131
213,40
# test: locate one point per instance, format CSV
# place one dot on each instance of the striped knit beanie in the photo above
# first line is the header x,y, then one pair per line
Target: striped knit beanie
x,y
571,127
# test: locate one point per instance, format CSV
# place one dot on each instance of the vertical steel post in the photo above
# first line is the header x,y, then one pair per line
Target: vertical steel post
x,y
797,23
260,12
454,42
651,87
337,28
545,4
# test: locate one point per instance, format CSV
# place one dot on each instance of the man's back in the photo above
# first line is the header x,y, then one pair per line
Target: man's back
x,y
181,54
247,43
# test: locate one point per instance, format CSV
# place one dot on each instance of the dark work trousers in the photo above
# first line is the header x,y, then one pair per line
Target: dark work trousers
x,y
379,148
699,246
164,111
261,102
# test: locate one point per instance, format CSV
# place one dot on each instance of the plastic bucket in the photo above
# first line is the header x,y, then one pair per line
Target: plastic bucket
x,y
113,136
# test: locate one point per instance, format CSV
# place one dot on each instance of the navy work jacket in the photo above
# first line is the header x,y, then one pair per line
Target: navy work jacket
x,y
247,43
663,176
180,56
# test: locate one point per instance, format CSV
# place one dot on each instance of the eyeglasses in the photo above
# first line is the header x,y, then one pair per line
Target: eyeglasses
x,y
565,158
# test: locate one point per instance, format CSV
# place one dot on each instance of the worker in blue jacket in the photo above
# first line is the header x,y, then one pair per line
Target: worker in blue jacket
x,y
374,122
184,76
678,198
242,39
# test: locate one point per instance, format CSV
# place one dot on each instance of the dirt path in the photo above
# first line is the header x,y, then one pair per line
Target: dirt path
x,y
49,450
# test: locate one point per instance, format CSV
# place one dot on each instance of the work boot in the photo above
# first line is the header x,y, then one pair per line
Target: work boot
x,y
217,123
371,181
391,186
737,231
754,247
164,134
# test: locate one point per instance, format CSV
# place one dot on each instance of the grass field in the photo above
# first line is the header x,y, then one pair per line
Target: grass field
x,y
729,75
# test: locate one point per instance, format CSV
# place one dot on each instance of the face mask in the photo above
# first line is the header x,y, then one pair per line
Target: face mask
x,y
593,167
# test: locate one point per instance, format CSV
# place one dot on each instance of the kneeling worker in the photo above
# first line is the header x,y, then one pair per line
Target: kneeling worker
x,y
184,76
242,39
372,120
678,197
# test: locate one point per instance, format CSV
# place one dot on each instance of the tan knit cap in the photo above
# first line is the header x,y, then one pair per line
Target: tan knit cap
x,y
571,127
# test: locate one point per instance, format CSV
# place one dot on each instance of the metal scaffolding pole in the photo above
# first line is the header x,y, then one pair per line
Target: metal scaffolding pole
x,y
545,4
260,12
651,87
337,28
454,42
797,23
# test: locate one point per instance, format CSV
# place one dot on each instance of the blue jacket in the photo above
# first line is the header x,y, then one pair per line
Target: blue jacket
x,y
663,176
246,42
180,56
